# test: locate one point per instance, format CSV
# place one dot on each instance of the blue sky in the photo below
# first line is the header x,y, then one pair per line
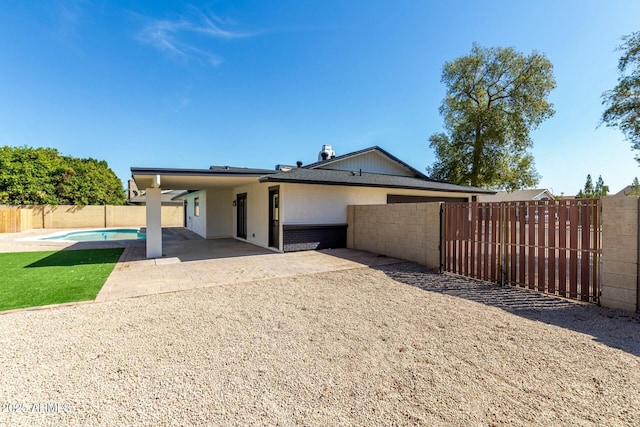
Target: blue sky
x,y
257,83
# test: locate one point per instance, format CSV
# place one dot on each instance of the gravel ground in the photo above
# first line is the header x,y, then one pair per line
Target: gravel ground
x,y
394,345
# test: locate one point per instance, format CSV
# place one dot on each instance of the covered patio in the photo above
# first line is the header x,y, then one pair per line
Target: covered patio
x,y
215,179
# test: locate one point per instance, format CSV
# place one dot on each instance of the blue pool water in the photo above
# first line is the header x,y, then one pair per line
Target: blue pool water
x,y
100,235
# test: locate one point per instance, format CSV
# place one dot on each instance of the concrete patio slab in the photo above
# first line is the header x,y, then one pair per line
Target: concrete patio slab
x,y
206,263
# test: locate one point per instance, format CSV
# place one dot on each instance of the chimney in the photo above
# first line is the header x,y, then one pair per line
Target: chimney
x,y
326,153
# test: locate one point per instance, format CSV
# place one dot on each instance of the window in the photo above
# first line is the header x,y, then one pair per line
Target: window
x,y
196,206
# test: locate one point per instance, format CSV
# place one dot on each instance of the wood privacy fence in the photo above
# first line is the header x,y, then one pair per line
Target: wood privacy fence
x,y
14,220
548,246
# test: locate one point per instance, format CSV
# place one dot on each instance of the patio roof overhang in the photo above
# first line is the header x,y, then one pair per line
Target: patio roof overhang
x,y
192,179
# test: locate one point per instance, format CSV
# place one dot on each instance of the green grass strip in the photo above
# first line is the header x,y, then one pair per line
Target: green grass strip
x,y
30,279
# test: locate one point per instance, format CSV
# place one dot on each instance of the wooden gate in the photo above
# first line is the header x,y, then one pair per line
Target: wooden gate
x,y
15,220
548,246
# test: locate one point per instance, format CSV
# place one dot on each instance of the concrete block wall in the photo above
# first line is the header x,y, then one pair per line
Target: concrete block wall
x,y
409,231
69,216
619,279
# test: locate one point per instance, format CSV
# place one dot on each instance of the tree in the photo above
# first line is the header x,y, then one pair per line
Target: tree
x,y
43,176
634,189
591,192
495,98
623,101
601,190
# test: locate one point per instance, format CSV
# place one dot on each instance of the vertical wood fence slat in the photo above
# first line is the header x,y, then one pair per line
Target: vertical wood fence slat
x,y
523,241
460,238
548,246
584,251
485,257
494,222
473,237
541,245
562,244
551,252
452,262
465,241
531,247
513,245
480,238
573,253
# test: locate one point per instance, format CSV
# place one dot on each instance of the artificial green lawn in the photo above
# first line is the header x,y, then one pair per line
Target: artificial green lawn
x,y
29,279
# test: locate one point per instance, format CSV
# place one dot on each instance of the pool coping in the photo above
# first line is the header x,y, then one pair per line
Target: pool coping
x,y
49,237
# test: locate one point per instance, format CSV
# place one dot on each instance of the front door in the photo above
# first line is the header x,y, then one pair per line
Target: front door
x,y
274,218
241,212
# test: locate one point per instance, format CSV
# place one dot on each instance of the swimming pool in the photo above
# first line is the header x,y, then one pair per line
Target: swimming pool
x,y
107,234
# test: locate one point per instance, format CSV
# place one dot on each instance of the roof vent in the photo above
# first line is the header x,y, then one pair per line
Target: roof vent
x,y
299,163
326,153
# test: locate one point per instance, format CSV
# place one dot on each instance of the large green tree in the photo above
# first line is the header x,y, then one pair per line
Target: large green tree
x,y
43,176
623,101
591,192
495,98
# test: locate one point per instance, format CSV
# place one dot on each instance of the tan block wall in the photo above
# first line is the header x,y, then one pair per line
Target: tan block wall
x,y
172,216
619,284
67,216
409,231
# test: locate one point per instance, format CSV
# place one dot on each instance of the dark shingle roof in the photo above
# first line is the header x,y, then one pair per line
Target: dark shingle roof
x,y
233,169
348,178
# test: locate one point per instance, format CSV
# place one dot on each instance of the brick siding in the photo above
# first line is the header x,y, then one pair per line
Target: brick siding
x,y
313,236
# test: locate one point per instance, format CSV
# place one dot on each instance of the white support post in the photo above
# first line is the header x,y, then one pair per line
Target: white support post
x,y
154,222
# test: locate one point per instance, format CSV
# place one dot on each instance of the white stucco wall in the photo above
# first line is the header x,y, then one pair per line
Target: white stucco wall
x,y
197,224
327,204
257,213
220,212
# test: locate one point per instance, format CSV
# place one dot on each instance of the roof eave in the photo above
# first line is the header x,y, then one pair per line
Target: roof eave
x,y
356,184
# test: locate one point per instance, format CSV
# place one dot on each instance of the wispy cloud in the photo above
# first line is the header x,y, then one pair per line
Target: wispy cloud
x,y
174,37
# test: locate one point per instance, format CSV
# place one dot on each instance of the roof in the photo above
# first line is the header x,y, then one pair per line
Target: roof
x,y
212,171
364,179
194,179
629,190
233,169
315,173
517,195
327,162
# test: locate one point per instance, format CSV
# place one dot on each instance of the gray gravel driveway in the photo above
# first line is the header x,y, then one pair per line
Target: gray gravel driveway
x,y
390,345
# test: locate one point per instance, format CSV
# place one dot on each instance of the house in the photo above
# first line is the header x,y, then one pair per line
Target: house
x,y
289,208
517,195
629,190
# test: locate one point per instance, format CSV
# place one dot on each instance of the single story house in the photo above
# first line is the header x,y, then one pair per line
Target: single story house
x,y
289,208
518,195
